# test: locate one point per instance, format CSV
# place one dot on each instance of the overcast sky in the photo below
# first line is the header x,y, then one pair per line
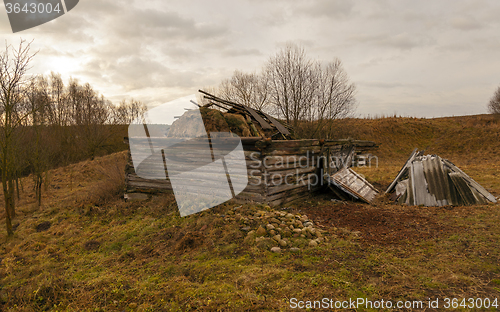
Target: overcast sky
x,y
412,58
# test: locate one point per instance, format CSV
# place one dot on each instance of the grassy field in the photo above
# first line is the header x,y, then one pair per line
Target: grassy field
x,y
86,249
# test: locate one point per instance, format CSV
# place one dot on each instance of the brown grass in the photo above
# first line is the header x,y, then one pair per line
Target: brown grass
x,y
86,249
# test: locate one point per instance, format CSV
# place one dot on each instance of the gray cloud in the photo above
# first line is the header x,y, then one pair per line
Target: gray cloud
x,y
163,24
404,56
465,23
326,8
404,41
241,52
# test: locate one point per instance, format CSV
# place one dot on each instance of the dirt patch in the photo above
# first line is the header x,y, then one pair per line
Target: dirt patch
x,y
189,241
92,245
43,226
379,225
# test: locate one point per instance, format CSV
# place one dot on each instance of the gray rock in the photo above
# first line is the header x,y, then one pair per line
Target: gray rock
x,y
276,249
261,231
294,249
277,237
130,197
274,220
313,243
270,227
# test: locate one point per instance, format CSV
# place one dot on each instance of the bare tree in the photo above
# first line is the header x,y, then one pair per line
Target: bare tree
x,y
494,104
14,63
126,112
293,82
334,98
38,106
306,92
248,89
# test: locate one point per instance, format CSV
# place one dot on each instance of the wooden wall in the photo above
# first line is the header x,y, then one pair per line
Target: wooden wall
x,y
279,171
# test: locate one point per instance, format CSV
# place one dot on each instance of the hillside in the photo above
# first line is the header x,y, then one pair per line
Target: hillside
x,y
470,142
86,249
466,138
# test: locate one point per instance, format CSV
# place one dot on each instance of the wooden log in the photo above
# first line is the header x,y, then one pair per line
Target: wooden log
x,y
287,160
299,190
250,196
279,144
299,183
293,171
312,150
285,200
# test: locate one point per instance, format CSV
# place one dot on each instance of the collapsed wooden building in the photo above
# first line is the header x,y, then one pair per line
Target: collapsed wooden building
x,y
279,168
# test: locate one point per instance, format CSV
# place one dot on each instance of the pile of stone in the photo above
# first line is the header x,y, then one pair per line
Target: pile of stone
x,y
282,229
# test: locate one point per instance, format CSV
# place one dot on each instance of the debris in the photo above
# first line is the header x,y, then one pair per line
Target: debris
x,y
351,183
433,181
135,196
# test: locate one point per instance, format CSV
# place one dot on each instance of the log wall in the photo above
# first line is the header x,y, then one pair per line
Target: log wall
x,y
279,171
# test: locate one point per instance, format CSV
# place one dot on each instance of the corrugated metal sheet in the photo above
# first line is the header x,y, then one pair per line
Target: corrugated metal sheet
x,y
433,181
421,195
470,181
403,171
437,179
353,184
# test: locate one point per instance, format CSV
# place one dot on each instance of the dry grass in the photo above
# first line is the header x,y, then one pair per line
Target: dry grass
x,y
86,249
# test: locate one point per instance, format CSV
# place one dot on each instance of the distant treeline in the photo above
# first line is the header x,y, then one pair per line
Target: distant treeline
x,y
45,123
68,123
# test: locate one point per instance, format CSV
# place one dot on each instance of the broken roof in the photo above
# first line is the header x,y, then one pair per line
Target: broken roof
x,y
270,126
433,181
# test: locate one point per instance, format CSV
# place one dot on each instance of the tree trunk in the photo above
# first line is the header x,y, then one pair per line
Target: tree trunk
x,y
12,202
17,188
8,208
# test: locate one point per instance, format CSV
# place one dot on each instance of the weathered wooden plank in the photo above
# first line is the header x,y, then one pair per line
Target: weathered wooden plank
x,y
298,190
290,172
250,196
289,199
277,124
354,184
259,119
313,150
299,183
